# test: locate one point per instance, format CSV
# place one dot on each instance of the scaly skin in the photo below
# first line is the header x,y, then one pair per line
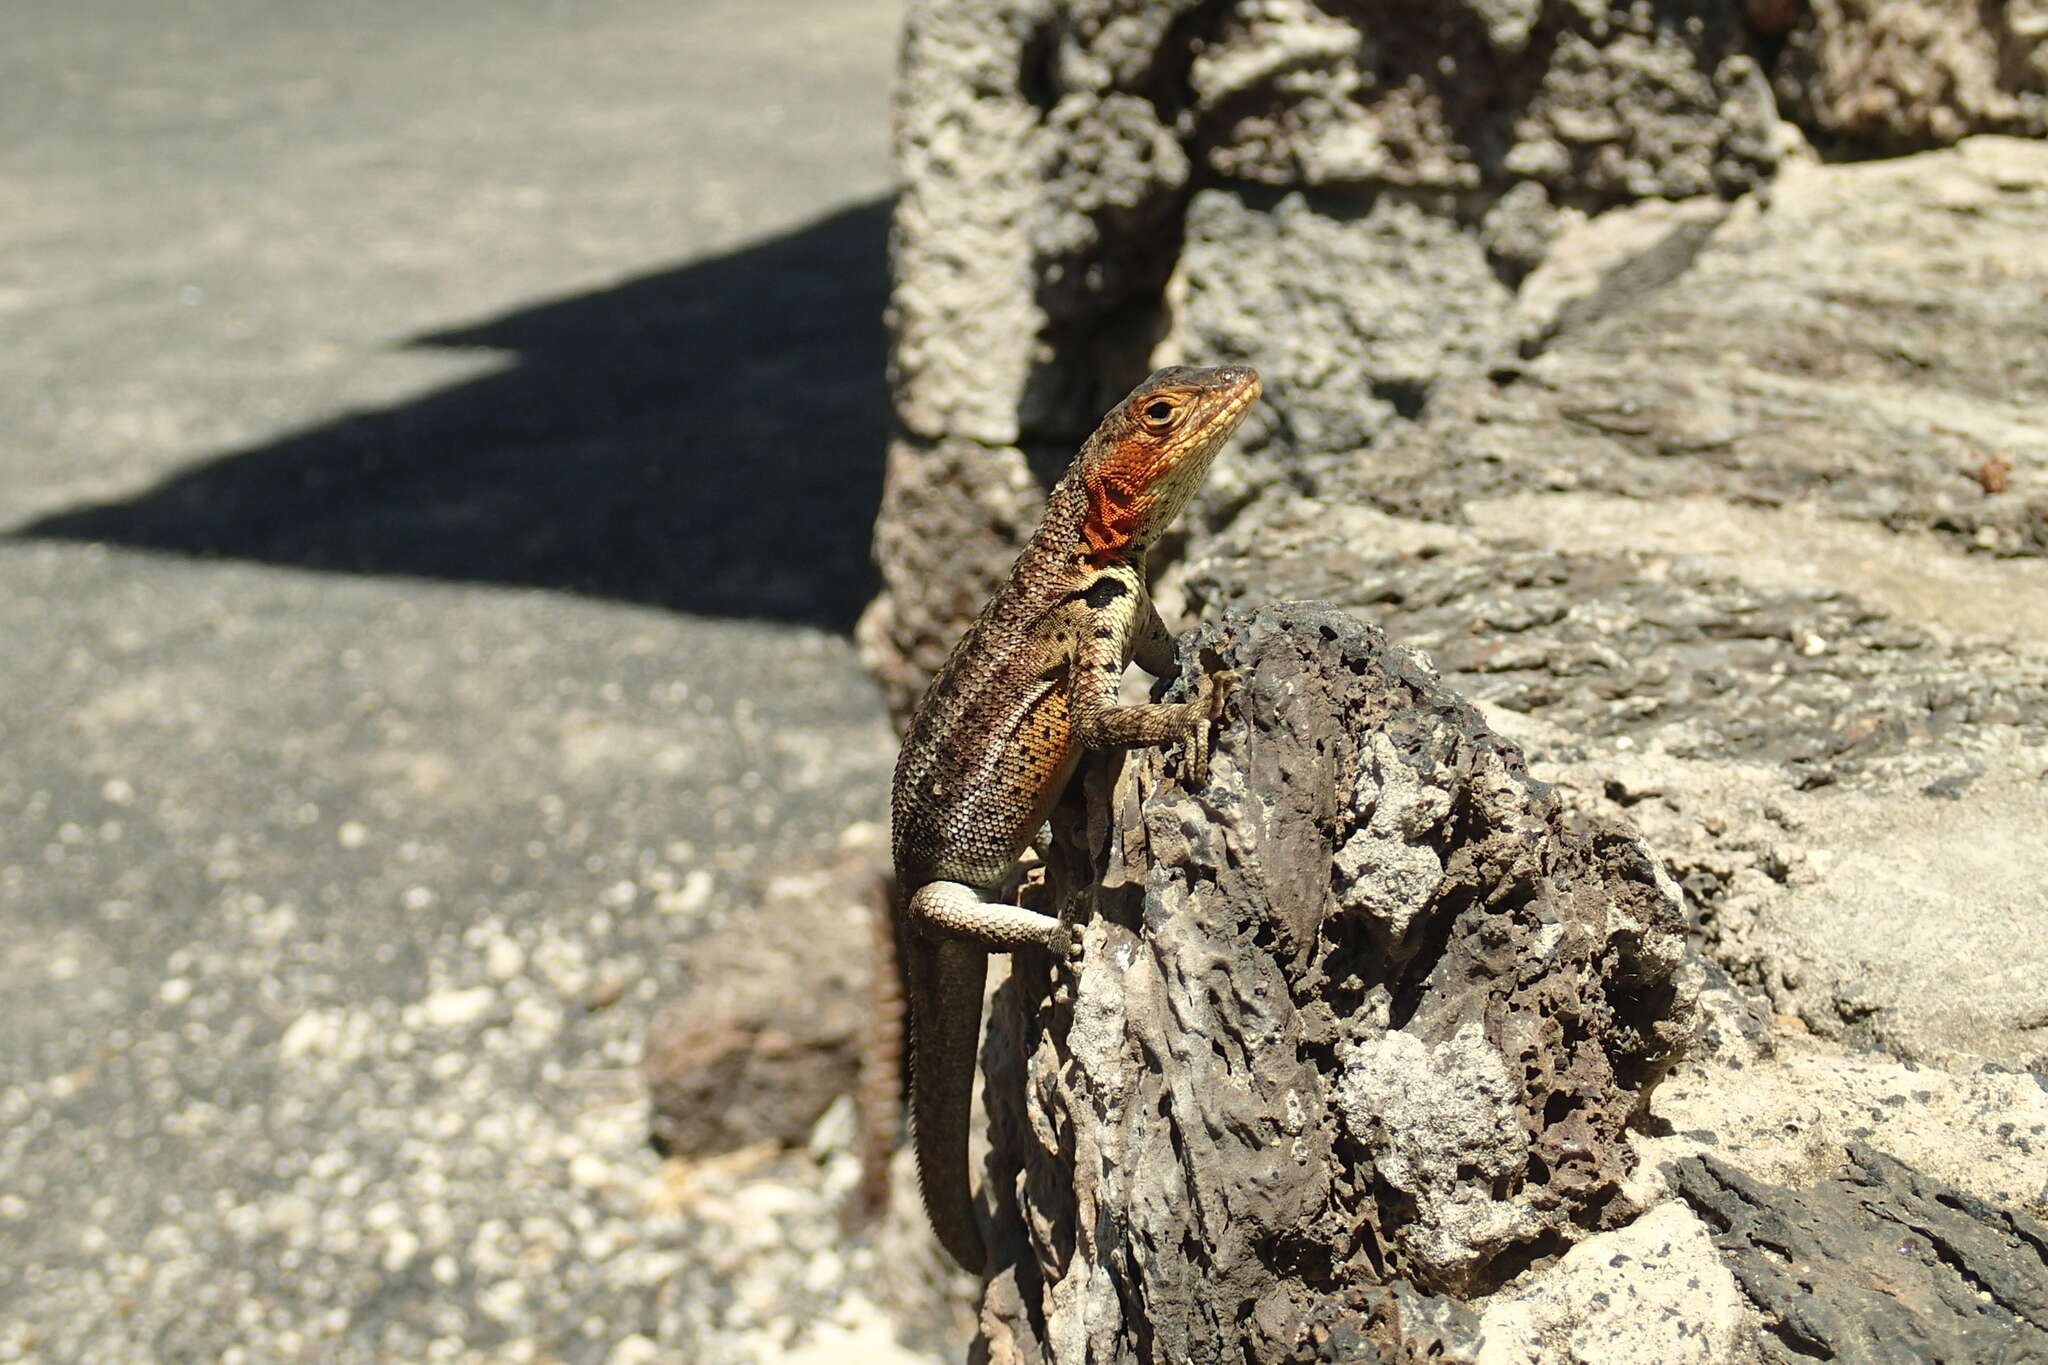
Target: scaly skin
x,y
1031,686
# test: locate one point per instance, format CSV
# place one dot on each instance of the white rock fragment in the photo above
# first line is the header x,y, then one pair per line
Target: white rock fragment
x,y
1787,1118
536,1023
504,958
689,897
503,1301
633,1350
1655,1290
1444,1121
564,963
872,1342
400,1247
457,1008
315,1031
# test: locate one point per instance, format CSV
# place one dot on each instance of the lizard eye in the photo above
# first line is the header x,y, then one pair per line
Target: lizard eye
x,y
1159,413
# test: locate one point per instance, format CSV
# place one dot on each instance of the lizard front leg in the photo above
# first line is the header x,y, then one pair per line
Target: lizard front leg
x,y
1153,647
1100,723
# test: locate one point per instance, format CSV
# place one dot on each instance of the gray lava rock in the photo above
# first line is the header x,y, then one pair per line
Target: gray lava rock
x,y
1050,244
1714,472
1366,1009
1629,643
740,1056
1882,1264
1382,299
1816,351
1902,76
1378,185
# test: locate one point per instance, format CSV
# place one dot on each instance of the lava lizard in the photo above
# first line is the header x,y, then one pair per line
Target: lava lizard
x,y
1031,685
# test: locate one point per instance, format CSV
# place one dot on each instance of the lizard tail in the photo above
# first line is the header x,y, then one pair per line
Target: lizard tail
x,y
878,1099
942,1058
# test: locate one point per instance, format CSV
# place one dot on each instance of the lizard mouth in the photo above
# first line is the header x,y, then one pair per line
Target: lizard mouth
x,y
1245,392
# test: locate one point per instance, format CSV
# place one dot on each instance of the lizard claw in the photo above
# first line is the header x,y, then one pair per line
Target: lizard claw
x,y
1212,690
1216,688
1064,942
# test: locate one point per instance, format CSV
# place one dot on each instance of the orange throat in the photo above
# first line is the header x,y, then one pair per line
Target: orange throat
x,y
1114,517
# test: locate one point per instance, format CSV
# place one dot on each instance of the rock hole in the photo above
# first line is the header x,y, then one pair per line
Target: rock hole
x,y
1525,1256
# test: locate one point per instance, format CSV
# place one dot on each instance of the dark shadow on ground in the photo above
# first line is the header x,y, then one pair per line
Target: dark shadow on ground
x,y
708,439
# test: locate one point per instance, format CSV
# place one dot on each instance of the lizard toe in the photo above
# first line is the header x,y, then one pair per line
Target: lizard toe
x,y
1064,943
1218,689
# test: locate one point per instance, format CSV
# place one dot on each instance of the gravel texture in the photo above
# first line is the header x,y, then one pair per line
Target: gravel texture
x,y
347,849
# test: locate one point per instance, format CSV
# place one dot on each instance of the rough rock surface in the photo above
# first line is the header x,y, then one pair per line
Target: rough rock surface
x,y
1368,1007
1778,622
1868,344
1088,187
1655,1290
1785,1107
1384,297
1905,76
1710,470
1347,195
1882,1264
736,1057
1843,795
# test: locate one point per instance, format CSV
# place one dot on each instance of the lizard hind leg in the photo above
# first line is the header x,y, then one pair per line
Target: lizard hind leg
x,y
957,911
952,932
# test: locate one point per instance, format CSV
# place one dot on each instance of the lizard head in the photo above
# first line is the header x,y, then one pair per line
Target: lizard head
x,y
1152,451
